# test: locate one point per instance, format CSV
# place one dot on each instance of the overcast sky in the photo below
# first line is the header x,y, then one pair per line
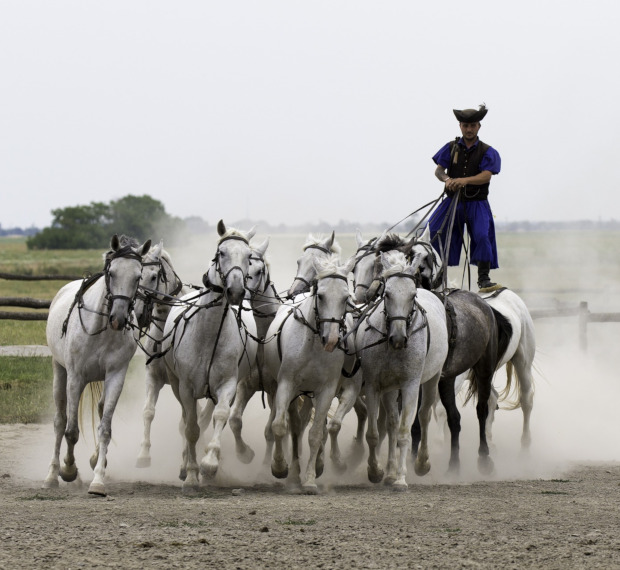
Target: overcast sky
x,y
293,111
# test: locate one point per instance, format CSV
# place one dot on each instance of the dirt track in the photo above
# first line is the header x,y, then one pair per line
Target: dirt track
x,y
564,521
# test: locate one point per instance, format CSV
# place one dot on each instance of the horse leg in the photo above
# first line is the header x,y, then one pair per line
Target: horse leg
x,y
523,369
279,428
225,394
297,424
346,401
415,428
492,408
390,404
483,372
422,464
69,471
60,423
448,399
112,388
375,473
322,402
189,467
244,393
357,450
155,381
268,433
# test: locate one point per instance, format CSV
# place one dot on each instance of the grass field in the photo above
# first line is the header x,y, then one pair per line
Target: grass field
x,y
545,268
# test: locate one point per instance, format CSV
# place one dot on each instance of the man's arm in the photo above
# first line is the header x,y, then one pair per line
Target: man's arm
x,y
440,173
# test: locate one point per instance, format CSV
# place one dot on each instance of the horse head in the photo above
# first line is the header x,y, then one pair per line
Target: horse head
x,y
314,249
158,282
331,296
229,270
123,269
399,295
364,267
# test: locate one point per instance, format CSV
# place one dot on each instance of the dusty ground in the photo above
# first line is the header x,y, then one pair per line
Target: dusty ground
x,y
570,520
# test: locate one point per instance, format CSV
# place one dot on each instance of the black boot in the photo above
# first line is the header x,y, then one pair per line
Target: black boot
x,y
484,282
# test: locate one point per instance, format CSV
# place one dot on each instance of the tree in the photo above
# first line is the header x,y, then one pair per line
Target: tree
x,y
91,226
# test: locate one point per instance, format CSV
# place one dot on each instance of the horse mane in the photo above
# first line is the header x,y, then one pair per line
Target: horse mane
x,y
233,232
124,241
397,262
389,242
318,240
327,266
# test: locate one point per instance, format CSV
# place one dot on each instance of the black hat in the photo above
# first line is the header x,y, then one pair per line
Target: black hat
x,y
470,115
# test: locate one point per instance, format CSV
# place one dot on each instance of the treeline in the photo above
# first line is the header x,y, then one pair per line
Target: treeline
x,y
90,226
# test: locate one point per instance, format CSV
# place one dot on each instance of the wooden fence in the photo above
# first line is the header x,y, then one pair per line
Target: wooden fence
x,y
29,302
583,314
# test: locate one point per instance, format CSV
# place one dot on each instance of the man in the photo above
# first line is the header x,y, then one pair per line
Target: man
x,y
465,166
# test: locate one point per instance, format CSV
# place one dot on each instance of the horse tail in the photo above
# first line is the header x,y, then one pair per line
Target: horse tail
x,y
515,402
95,390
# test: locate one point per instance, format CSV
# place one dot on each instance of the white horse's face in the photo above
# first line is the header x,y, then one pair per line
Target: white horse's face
x,y
398,297
306,265
331,297
122,274
233,264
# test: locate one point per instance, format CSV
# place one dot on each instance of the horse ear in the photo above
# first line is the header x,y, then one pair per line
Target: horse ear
x,y
358,238
158,248
415,263
262,248
251,233
349,265
221,228
329,242
115,242
145,247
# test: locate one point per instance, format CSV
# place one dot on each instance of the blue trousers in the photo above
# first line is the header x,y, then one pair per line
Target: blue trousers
x,y
477,217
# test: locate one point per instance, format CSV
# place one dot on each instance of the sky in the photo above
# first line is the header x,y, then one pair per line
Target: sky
x,y
298,112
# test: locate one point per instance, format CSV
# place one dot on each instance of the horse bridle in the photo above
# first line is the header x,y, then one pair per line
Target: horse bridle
x,y
218,268
368,250
310,284
408,318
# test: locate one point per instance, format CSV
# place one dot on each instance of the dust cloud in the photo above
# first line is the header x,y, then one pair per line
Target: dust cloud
x,y
574,417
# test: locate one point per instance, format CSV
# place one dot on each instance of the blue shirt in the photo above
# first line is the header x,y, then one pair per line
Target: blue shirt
x,y
491,160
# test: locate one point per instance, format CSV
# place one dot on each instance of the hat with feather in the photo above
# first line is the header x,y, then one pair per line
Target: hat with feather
x,y
470,115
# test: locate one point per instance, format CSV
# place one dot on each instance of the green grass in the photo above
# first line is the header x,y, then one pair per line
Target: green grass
x,y
22,332
25,389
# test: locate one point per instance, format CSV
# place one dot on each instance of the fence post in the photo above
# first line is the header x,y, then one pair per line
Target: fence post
x,y
583,325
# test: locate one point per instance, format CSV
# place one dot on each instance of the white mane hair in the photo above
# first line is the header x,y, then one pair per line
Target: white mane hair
x,y
327,266
397,262
318,240
235,232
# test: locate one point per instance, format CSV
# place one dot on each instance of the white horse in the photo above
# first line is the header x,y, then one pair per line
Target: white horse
x,y
159,287
306,361
315,251
87,333
265,301
404,343
209,346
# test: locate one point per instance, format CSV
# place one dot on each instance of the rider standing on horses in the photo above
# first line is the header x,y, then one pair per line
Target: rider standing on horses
x,y
465,166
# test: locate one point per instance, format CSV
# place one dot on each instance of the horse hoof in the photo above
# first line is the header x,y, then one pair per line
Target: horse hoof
x,y
208,470
485,465
50,484
247,456
190,488
69,473
389,481
97,489
279,472
183,474
454,468
375,475
422,469
310,489
399,486
143,462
